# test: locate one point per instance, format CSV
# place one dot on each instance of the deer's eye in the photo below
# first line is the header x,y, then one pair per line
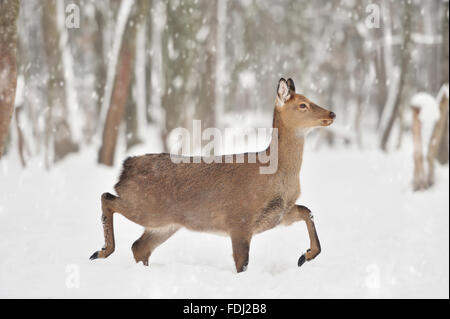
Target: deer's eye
x,y
303,106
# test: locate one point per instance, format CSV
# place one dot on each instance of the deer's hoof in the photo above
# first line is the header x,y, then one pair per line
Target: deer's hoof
x,y
94,256
143,259
144,262
301,260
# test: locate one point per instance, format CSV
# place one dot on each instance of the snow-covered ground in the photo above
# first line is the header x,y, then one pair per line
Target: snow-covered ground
x,y
379,238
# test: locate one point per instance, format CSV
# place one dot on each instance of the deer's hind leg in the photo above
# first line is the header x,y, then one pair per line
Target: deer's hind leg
x,y
151,238
298,213
110,205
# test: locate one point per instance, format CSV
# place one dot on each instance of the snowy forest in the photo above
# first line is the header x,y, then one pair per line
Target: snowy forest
x,y
84,84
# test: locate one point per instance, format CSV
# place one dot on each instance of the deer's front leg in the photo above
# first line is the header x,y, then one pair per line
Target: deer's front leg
x,y
298,213
241,246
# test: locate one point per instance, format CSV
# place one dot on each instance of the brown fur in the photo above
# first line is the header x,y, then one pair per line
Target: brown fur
x,y
234,199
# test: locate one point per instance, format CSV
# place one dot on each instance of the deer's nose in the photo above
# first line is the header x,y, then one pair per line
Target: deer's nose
x,y
332,115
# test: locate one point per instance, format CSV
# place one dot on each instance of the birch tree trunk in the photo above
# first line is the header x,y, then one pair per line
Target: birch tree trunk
x,y
9,13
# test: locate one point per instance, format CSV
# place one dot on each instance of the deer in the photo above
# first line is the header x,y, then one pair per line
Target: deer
x,y
232,199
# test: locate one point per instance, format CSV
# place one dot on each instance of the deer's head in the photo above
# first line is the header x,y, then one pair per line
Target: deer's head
x,y
296,111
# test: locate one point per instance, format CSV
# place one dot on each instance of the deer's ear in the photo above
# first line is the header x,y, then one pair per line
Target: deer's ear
x,y
283,91
291,85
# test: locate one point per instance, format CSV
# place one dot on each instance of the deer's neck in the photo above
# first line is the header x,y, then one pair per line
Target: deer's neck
x,y
290,146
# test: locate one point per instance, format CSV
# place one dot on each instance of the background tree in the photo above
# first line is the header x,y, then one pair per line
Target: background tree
x,y
401,95
438,134
178,57
9,12
120,92
110,83
58,134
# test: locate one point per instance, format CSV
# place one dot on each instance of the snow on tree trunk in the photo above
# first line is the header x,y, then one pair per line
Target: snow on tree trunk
x,y
9,13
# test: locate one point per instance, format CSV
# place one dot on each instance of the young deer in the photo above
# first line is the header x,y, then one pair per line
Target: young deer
x,y
229,198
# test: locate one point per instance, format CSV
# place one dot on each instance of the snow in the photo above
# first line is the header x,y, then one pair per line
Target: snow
x,y
379,238
202,34
428,105
19,98
429,114
247,79
443,92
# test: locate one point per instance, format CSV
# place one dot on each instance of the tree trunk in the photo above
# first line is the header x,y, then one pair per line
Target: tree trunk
x,y
419,181
132,132
20,139
119,96
206,66
436,138
179,68
221,57
9,12
382,90
404,70
136,112
100,67
116,109
58,127
443,153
